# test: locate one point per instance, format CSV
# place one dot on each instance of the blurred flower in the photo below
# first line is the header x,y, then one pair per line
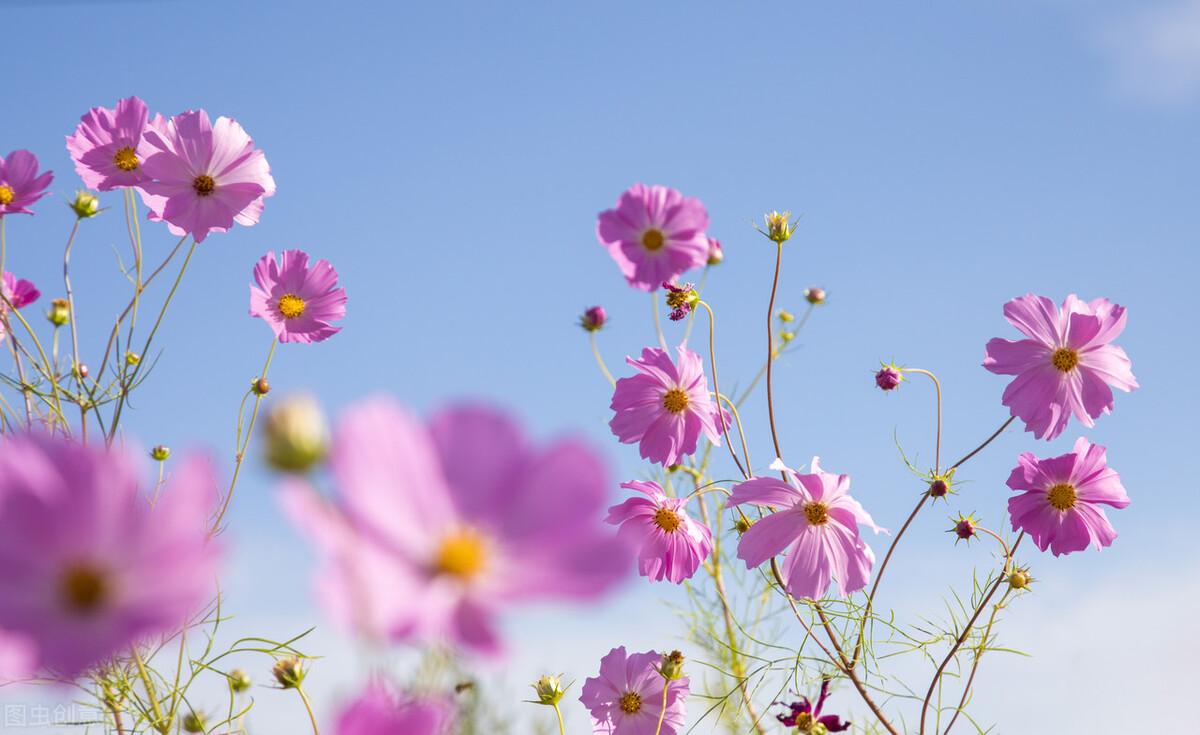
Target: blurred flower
x,y
289,672
665,407
202,177
626,698
298,302
87,566
17,291
671,544
59,312
160,453
681,299
716,254
20,184
296,434
379,711
786,316
85,204
1067,364
239,681
593,319
654,234
462,518
1060,503
807,718
816,521
193,722
888,377
108,146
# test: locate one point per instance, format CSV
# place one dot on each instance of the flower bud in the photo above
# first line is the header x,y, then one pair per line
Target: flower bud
x,y
672,666
964,527
80,370
132,358
787,336
160,453
814,295
779,226
888,377
549,690
239,681
716,253
593,319
1019,579
193,722
260,386
786,316
939,488
741,525
86,204
296,434
59,312
289,672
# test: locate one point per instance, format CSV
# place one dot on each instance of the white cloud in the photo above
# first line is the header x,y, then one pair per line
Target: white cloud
x,y
1155,51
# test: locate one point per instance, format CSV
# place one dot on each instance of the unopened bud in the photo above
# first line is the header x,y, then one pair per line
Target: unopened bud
x,y
59,312
132,358
289,672
85,205
814,295
549,690
80,370
779,226
672,666
593,319
260,386
239,681
193,722
1019,579
716,253
786,316
888,377
296,434
160,453
742,525
939,488
964,527
787,336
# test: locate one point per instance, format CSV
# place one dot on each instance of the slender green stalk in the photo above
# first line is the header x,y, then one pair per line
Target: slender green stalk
x,y
662,715
243,442
600,360
308,706
771,347
562,729
662,340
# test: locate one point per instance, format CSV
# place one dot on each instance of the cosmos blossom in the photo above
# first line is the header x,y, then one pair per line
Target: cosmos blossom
x,y
1059,504
18,292
462,517
89,567
626,698
109,147
654,234
816,521
665,407
204,176
1066,365
379,711
20,183
296,300
806,716
672,545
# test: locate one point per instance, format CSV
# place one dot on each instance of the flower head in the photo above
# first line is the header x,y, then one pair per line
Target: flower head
x,y
1066,365
807,718
16,291
549,689
965,527
20,183
654,234
671,544
109,145
380,710
889,377
297,301
626,698
681,299
716,254
593,319
665,407
85,204
203,176
816,521
289,672
89,567
59,312
1059,504
463,517
780,226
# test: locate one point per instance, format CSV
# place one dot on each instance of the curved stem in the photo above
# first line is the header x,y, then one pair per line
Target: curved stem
x,y
308,706
562,730
244,442
600,360
737,419
712,357
771,347
662,340
937,385
79,381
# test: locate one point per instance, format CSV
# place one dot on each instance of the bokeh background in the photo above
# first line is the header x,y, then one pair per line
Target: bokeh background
x,y
450,159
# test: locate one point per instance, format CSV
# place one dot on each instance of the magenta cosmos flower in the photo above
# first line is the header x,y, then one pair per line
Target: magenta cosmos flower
x,y
204,176
627,697
438,528
805,716
1059,504
380,711
654,234
671,544
18,292
20,183
88,566
1067,364
664,408
297,301
109,147
816,521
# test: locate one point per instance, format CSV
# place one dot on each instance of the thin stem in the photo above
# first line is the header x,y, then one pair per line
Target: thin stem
x,y
308,706
986,442
146,682
662,715
987,632
49,368
771,347
562,729
244,442
687,331
74,329
737,419
662,340
712,357
937,385
600,360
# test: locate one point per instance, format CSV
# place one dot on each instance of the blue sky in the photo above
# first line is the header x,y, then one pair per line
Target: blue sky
x,y
450,159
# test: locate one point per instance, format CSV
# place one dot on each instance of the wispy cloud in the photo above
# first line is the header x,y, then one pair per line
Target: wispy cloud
x,y
1155,51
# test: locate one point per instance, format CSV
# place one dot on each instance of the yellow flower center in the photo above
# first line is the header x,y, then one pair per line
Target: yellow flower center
x,y
804,721
83,588
204,184
126,159
462,554
6,194
631,702
1061,496
291,306
817,513
1064,359
653,240
675,400
667,519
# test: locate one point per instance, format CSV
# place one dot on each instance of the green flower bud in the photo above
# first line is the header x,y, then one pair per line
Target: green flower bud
x,y
549,690
296,434
289,672
193,722
239,681
672,666
86,204
160,453
59,312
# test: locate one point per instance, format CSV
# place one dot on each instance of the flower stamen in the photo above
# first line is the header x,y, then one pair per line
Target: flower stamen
x,y
291,306
1064,359
1061,496
653,240
631,702
204,184
7,195
675,400
83,589
667,519
461,554
817,513
126,159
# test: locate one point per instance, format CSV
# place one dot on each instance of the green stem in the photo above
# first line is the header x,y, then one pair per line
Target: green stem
x,y
662,340
308,706
562,729
243,443
600,360
662,715
771,347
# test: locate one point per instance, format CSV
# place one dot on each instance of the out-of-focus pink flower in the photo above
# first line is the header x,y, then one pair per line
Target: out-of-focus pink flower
x,y
18,657
204,176
380,711
18,292
664,408
627,696
672,545
593,319
108,146
1059,504
87,566
1066,366
438,528
654,234
716,254
20,183
804,715
298,302
816,521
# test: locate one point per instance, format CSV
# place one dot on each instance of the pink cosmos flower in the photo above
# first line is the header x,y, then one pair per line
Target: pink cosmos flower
x,y
108,146
1060,506
804,715
18,657
672,544
816,521
462,518
379,711
296,301
18,292
1067,364
654,234
627,696
204,176
89,567
665,407
20,183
